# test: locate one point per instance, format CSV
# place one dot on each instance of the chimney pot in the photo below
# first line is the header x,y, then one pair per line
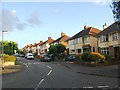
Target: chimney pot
x,y
62,34
49,38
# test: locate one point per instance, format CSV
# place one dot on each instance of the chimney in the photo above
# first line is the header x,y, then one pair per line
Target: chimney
x,y
86,27
104,26
41,41
62,34
49,38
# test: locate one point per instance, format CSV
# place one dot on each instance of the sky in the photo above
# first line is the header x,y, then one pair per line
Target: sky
x,y
30,22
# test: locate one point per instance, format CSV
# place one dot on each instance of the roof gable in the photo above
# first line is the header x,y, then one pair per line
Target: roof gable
x,y
112,28
86,31
62,38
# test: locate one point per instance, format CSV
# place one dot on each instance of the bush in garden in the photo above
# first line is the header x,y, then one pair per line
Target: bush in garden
x,y
78,57
97,57
8,58
109,58
86,56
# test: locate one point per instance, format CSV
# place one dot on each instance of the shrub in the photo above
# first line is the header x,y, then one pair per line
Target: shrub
x,y
97,57
86,56
108,57
78,57
8,58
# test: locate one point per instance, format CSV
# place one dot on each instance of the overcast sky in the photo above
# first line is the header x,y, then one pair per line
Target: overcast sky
x,y
30,22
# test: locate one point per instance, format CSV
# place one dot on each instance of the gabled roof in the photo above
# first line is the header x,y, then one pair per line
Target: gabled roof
x,y
48,41
112,28
40,42
86,31
62,38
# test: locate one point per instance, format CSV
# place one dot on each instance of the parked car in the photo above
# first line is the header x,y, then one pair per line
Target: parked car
x,y
46,58
71,58
29,56
21,55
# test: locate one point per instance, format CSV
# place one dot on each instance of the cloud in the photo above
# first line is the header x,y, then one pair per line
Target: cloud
x,y
34,20
10,21
102,2
21,26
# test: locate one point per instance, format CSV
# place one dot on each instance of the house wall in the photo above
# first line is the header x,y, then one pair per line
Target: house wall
x,y
78,45
71,46
119,37
102,44
64,43
94,43
111,42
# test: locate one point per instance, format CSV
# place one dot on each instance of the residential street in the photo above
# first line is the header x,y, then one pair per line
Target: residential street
x,y
54,75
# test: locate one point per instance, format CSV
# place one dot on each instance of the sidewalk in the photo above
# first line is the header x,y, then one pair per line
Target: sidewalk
x,y
107,71
12,69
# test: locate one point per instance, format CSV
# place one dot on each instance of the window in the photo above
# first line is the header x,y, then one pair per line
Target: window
x,y
105,50
86,39
114,36
79,50
104,38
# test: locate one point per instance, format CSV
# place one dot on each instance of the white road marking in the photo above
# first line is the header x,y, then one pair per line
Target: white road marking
x,y
103,86
49,67
49,72
39,84
25,65
88,87
29,63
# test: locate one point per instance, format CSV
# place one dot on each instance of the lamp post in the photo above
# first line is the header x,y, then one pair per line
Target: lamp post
x,y
3,48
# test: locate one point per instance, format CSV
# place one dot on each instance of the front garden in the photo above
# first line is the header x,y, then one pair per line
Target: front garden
x,y
94,59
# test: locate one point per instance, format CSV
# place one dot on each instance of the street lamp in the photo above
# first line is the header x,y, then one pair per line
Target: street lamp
x,y
3,48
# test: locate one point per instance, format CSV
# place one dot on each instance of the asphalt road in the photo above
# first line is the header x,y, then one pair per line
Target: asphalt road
x,y
53,75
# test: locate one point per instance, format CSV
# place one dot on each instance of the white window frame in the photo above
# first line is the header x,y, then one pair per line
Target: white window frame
x,y
114,36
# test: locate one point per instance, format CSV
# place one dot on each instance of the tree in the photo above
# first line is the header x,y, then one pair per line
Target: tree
x,y
116,10
57,49
9,47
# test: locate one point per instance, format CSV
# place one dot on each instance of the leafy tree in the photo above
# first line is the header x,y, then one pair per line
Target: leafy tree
x,y
9,47
116,10
53,50
57,49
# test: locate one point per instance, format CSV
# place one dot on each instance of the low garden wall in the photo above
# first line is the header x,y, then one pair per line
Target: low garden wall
x,y
8,60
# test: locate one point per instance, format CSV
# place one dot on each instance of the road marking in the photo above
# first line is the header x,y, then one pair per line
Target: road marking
x,y
35,63
103,86
49,67
25,65
39,84
88,87
49,72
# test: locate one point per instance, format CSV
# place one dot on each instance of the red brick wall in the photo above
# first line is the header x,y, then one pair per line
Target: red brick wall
x,y
111,51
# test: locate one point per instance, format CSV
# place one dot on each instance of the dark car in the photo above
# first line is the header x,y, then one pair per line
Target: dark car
x,y
46,58
71,58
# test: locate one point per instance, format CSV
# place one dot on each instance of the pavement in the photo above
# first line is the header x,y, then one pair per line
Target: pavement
x,y
12,69
107,71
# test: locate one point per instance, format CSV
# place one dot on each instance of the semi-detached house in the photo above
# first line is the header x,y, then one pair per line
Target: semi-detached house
x,y
109,40
44,47
85,40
